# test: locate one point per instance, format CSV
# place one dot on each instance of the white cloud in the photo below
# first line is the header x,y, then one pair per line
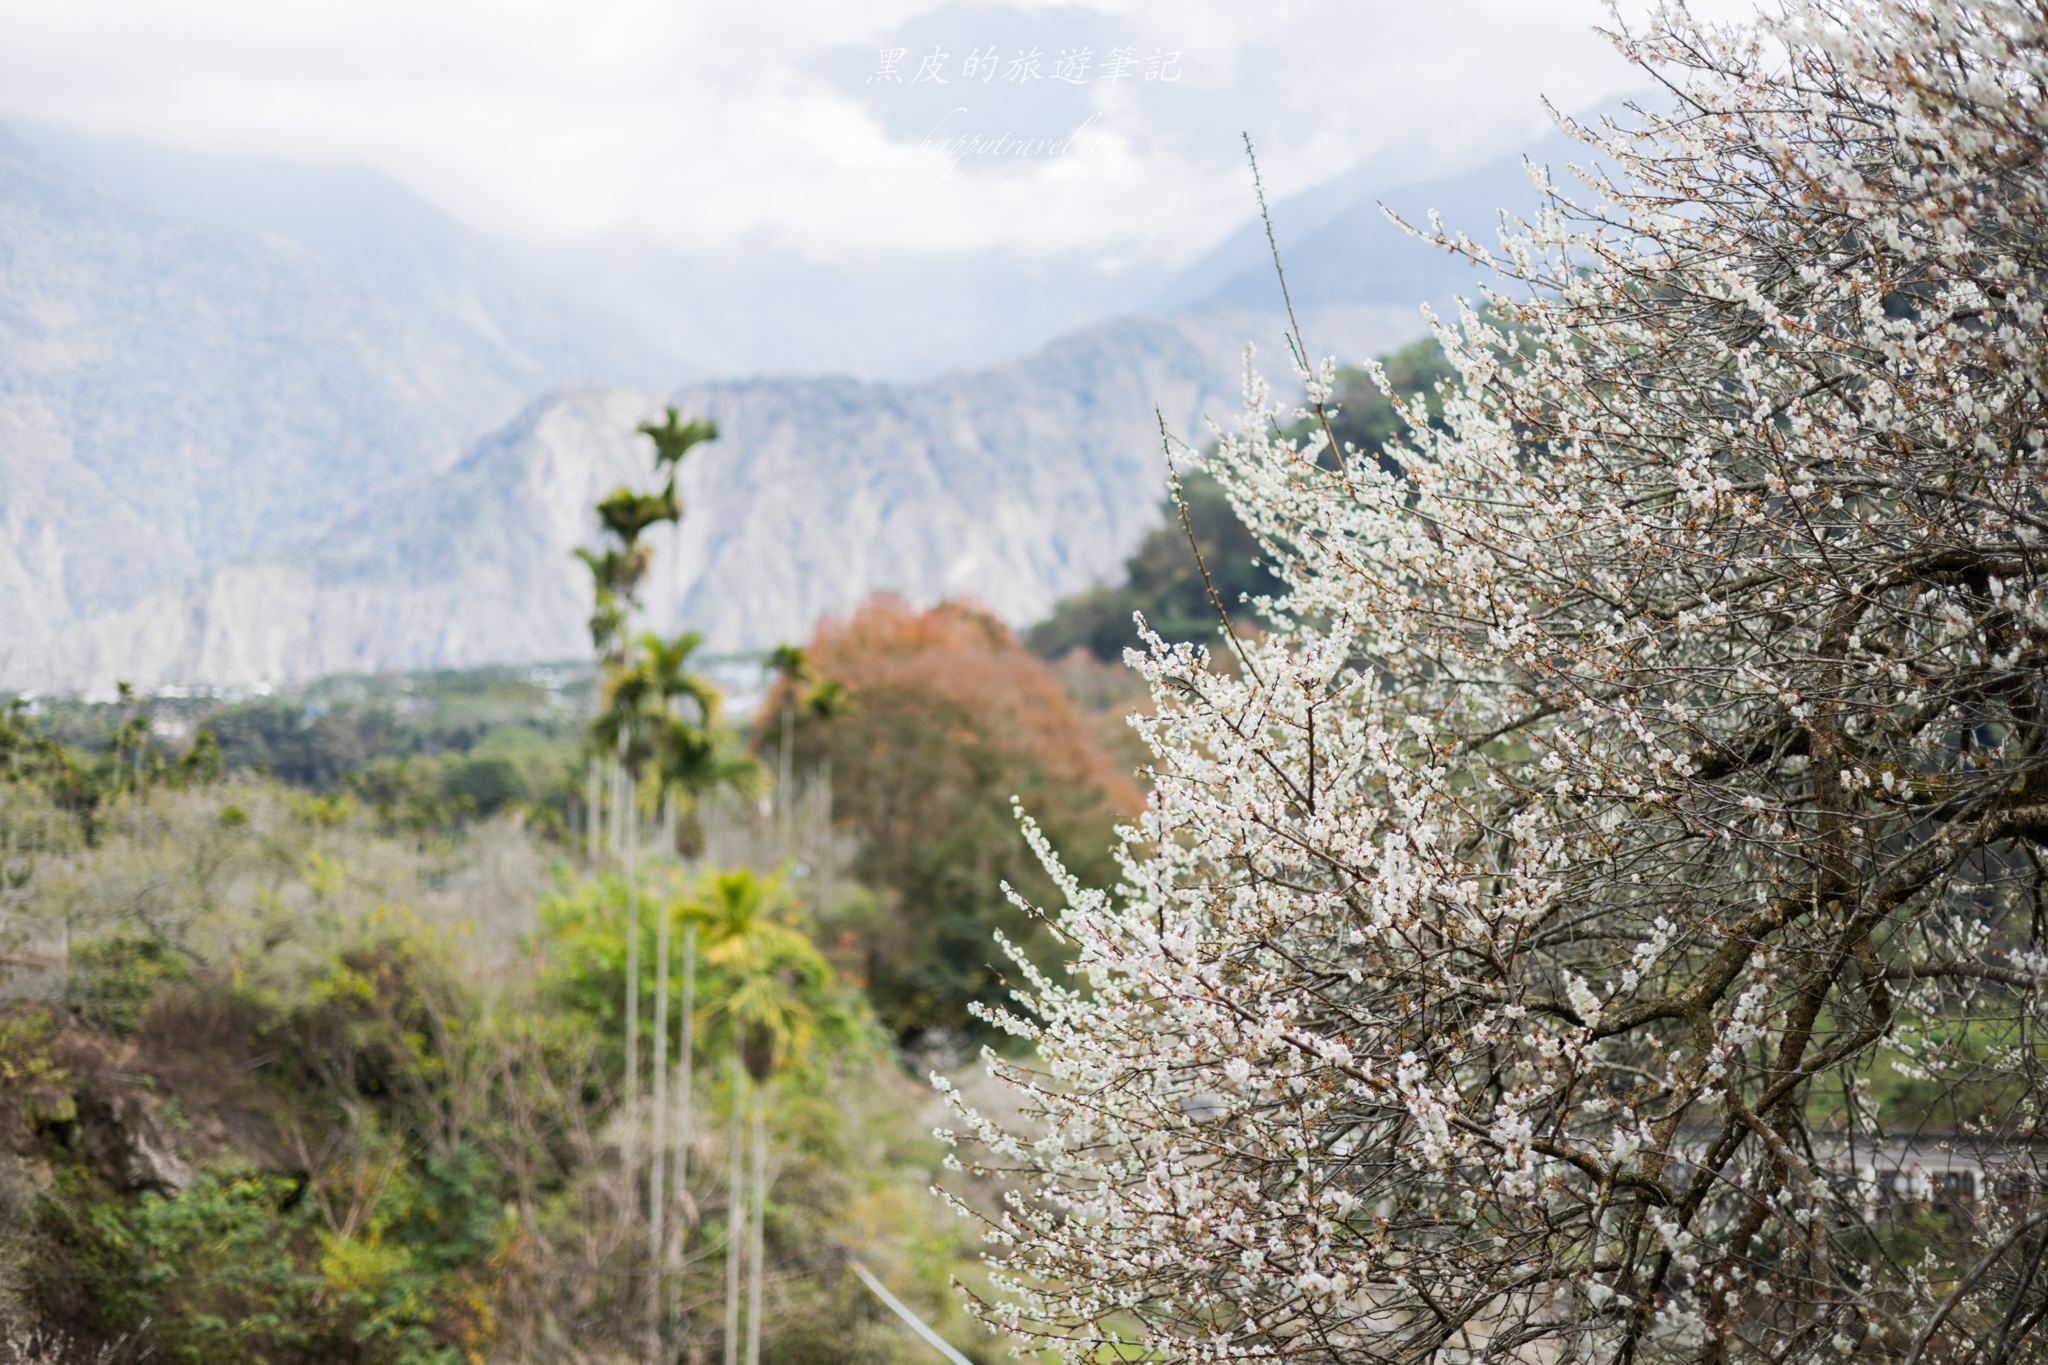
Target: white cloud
x,y
712,124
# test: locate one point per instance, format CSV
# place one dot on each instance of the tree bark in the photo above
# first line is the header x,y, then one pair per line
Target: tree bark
x,y
657,1200
626,842
754,1252
826,845
785,780
735,1200
686,1061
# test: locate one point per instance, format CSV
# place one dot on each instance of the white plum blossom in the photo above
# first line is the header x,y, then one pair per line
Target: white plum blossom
x,y
1646,776
1582,999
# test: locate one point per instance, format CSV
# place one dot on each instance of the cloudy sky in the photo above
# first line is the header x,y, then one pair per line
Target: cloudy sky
x,y
712,124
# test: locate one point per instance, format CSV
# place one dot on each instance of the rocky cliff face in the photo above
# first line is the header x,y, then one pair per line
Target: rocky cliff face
x,y
1011,486
230,456
174,398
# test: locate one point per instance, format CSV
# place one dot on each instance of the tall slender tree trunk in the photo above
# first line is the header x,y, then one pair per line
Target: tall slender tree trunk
x,y
686,1055
615,827
593,808
627,840
785,779
757,1261
657,1194
735,1201
827,847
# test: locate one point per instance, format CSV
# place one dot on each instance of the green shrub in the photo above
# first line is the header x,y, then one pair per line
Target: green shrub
x,y
210,1271
240,1268
114,979
488,783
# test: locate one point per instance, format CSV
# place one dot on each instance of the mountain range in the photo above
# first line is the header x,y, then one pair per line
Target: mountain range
x,y
263,421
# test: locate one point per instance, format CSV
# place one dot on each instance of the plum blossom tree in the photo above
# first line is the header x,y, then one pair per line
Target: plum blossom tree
x,y
1643,789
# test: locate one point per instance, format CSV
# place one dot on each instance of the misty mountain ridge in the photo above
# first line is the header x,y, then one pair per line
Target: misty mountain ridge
x,y
267,422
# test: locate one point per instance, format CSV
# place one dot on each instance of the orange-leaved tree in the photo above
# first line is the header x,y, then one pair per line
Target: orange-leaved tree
x,y
941,717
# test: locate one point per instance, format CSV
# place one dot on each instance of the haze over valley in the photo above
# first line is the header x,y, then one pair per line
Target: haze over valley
x,y
269,420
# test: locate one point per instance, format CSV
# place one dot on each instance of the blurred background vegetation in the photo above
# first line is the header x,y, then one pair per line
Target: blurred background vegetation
x,y
311,1002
